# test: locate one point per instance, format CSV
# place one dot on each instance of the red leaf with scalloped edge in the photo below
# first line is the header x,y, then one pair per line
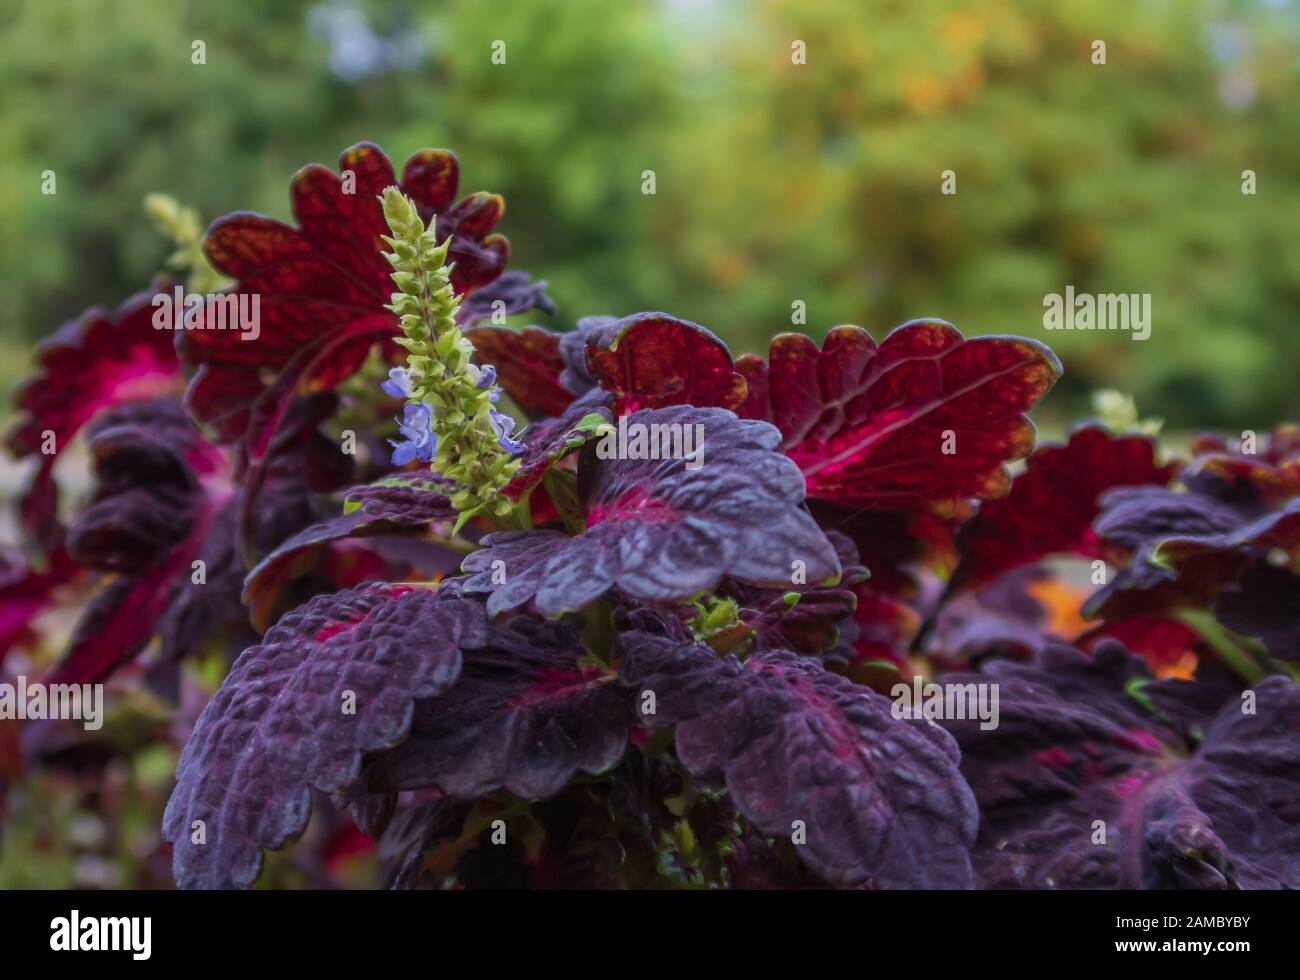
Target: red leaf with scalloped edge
x,y
1052,505
867,423
653,360
317,278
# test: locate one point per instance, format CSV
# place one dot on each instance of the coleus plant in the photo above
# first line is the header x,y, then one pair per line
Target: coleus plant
x,y
612,608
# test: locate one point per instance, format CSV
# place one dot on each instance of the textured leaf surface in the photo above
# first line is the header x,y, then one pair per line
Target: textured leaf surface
x,y
880,798
527,714
1073,747
653,360
866,423
658,530
807,618
279,725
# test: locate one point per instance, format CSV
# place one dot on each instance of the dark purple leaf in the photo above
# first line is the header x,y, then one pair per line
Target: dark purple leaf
x,y
402,503
880,798
1187,546
549,441
529,712
1265,604
575,377
806,618
659,530
1085,745
333,680
515,289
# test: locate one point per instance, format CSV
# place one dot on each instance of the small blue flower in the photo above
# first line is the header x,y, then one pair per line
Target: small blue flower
x,y
418,441
416,419
404,452
486,381
504,425
398,384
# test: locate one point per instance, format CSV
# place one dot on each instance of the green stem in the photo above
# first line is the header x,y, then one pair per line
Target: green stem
x,y
1221,641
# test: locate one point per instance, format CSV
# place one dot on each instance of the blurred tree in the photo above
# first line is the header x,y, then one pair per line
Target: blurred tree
x,y
775,181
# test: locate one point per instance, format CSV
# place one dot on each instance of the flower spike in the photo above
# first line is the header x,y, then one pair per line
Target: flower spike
x,y
448,420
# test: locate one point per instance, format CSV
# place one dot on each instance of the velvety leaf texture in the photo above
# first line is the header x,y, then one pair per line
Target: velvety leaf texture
x,y
529,712
866,424
658,530
1051,506
1085,739
333,680
880,798
807,618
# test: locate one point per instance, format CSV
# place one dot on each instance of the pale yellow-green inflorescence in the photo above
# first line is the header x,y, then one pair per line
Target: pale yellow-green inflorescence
x,y
439,364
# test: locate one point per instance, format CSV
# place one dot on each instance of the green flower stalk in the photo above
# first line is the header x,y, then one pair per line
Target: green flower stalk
x,y
449,421
183,226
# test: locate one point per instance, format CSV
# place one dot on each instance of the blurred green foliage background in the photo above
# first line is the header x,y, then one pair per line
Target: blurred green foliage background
x,y
775,181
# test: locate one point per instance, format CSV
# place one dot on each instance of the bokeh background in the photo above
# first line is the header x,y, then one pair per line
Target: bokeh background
x,y
775,182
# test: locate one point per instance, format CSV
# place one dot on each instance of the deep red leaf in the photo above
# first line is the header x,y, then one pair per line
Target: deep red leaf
x,y
653,360
325,274
867,423
528,364
1052,505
